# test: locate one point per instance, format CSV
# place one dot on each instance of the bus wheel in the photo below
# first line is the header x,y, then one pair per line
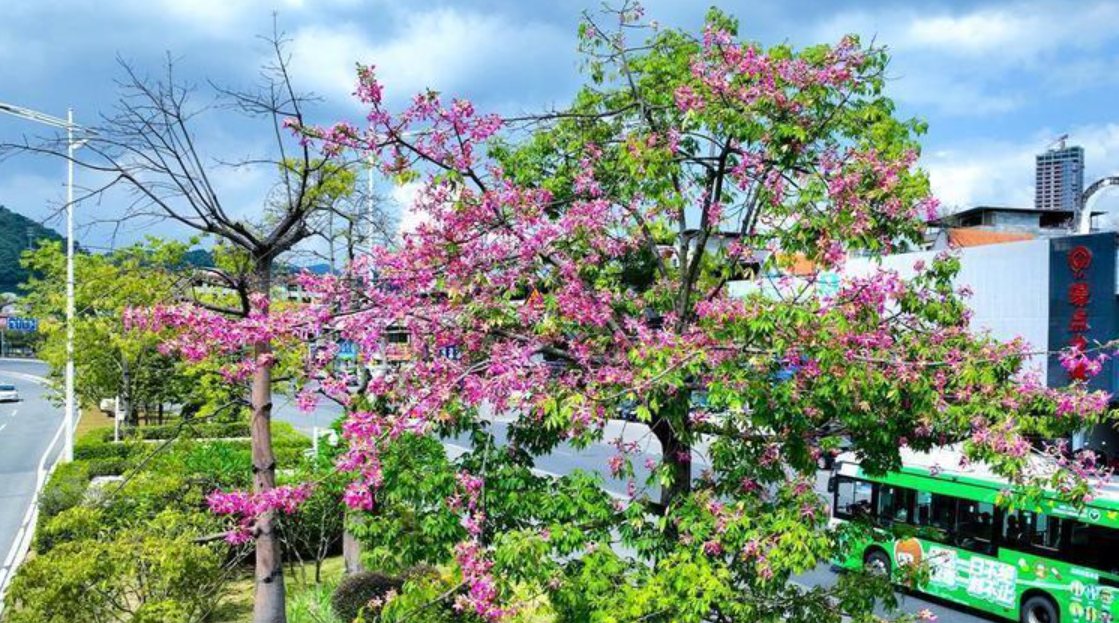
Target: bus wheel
x,y
877,562
1039,609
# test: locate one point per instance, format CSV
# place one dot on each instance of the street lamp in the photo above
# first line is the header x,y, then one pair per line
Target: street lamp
x,y
71,146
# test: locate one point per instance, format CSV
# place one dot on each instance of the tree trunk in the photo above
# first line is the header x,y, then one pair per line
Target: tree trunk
x,y
268,605
351,549
675,450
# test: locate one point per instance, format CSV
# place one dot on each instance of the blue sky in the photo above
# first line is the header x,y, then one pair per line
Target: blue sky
x,y
995,80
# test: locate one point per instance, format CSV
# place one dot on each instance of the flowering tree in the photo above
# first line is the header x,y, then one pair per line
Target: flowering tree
x,y
581,263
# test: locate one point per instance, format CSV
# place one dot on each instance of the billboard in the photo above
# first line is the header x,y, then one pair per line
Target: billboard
x,y
1081,301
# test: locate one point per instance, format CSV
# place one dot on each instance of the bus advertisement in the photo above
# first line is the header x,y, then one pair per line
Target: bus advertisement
x,y
1051,563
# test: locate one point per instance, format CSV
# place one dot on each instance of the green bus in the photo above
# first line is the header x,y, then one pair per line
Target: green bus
x,y
1049,564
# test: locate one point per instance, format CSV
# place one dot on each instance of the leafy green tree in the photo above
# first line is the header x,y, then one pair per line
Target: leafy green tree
x,y
109,360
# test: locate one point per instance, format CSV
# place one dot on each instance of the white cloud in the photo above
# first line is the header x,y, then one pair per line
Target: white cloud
x,y
404,196
1011,33
444,49
1002,173
971,62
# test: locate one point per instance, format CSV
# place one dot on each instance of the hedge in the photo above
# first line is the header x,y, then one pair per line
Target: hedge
x,y
63,490
201,430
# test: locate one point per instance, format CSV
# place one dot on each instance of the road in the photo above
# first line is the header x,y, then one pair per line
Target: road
x,y
26,429
566,459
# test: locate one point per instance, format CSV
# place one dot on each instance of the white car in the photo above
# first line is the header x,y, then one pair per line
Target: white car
x,y
8,393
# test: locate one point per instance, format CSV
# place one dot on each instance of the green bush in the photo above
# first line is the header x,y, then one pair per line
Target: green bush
x,y
224,464
112,466
73,524
428,596
147,493
64,489
365,591
201,430
312,604
96,449
140,575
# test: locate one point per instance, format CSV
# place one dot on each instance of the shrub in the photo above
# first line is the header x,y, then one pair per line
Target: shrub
x,y
147,574
200,430
97,449
148,493
365,590
223,464
428,595
73,524
112,466
311,604
64,489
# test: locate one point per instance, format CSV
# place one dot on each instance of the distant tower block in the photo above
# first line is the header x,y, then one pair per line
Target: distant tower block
x,y
1060,177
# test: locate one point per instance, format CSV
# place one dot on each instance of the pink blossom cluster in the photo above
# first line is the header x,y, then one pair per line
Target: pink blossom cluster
x,y
247,507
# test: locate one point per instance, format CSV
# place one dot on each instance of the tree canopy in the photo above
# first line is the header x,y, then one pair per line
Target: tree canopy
x,y
576,262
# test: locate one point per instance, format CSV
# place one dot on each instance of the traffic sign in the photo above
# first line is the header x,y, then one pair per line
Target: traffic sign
x,y
28,325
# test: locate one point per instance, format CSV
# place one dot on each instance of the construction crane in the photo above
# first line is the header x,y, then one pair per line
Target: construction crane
x,y
1058,143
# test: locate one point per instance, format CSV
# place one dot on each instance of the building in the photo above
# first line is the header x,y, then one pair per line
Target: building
x,y
1051,291
984,225
1059,181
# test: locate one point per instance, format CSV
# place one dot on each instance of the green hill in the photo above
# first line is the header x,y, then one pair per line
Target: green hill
x,y
17,233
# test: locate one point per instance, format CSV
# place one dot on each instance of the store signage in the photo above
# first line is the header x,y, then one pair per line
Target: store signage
x,y
1082,305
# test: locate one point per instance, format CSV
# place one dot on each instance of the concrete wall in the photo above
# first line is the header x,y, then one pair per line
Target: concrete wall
x,y
1009,284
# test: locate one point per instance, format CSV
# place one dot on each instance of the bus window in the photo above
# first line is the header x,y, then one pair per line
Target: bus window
x,y
894,503
936,511
1016,528
1047,532
1093,546
853,497
975,525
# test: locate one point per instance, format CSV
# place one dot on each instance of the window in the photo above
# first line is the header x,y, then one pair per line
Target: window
x,y
975,525
937,512
397,337
1092,546
894,504
1047,532
1016,526
853,497
1026,530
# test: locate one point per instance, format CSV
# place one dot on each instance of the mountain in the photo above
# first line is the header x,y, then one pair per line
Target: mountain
x,y
17,234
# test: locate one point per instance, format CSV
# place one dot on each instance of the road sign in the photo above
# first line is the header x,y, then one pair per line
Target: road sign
x,y
28,325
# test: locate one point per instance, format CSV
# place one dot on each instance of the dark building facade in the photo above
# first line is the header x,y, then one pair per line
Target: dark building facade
x,y
1059,180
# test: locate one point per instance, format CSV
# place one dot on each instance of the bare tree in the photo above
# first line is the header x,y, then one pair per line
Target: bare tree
x,y
149,146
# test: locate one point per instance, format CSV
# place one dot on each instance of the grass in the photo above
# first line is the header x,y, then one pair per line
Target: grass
x,y
91,419
307,602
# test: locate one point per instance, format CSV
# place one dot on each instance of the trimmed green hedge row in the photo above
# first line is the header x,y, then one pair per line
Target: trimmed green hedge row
x,y
221,463
202,430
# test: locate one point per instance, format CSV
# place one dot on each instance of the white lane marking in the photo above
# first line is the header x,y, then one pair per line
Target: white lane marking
x,y
2,426
34,378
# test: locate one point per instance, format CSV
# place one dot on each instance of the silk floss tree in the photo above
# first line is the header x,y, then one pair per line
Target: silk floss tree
x,y
616,256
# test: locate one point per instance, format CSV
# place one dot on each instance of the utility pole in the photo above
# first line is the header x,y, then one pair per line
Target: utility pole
x,y
68,452
71,146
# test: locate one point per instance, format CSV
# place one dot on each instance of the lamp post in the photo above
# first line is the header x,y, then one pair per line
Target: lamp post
x,y
71,146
